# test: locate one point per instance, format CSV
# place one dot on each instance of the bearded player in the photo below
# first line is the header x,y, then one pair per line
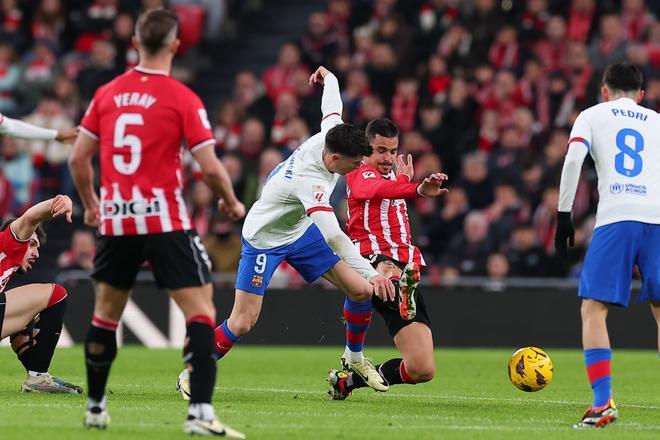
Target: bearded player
x,y
378,224
32,315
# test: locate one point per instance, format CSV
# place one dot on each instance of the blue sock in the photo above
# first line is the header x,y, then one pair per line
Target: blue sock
x,y
597,361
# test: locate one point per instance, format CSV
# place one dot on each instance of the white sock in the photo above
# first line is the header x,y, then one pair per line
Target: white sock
x,y
202,411
91,403
353,356
36,373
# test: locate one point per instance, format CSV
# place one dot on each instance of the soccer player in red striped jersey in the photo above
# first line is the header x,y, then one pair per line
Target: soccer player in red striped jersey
x,y
138,122
32,314
378,225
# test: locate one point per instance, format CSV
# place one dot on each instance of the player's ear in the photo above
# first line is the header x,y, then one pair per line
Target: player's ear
x,y
175,45
605,93
640,96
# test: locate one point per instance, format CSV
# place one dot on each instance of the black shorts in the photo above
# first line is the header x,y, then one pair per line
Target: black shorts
x,y
390,310
178,259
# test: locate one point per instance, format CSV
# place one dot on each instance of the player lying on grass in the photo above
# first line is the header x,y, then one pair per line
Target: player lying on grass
x,y
32,315
378,224
293,221
623,139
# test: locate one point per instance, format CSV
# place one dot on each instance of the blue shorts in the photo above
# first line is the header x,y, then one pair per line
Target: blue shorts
x,y
612,254
310,255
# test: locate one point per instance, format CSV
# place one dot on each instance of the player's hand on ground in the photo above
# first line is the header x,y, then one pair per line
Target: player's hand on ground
x,y
432,185
92,217
565,233
405,167
61,205
235,211
67,136
383,288
317,77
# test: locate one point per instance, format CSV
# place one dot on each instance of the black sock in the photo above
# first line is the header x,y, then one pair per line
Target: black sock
x,y
100,351
199,357
47,329
389,370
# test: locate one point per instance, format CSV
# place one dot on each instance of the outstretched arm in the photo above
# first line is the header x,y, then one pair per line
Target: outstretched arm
x,y
331,105
24,226
23,130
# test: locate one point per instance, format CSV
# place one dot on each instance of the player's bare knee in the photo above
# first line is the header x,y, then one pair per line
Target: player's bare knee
x,y
421,373
241,324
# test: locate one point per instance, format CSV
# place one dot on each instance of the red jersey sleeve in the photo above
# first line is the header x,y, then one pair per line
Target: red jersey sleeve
x,y
12,247
196,125
365,184
90,121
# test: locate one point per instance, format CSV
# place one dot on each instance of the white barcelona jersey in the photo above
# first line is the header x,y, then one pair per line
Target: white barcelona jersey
x,y
298,186
623,139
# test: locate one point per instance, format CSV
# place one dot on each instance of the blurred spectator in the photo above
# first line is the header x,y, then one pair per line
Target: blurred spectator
x,y
534,19
39,72
507,211
50,23
610,45
382,71
545,219
6,196
80,256
526,257
10,74
581,15
254,182
505,52
438,78
50,157
446,224
253,138
279,76
635,19
227,130
123,28
497,267
551,50
250,98
223,243
404,104
319,41
201,207
234,166
101,69
469,251
286,108
67,95
297,132
476,182
356,88
17,169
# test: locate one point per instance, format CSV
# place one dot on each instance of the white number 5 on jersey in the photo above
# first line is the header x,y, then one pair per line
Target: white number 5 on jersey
x,y
122,140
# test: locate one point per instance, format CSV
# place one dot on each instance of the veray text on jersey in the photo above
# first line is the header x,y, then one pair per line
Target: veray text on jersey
x,y
129,99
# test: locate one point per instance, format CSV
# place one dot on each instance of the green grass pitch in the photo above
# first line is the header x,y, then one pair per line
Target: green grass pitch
x,y
279,393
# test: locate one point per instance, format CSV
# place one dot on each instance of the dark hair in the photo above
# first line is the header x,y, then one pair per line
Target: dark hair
x,y
347,140
623,76
383,127
41,234
154,27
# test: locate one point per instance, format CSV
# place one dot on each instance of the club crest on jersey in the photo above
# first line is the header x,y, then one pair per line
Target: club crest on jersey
x,y
369,175
257,281
319,194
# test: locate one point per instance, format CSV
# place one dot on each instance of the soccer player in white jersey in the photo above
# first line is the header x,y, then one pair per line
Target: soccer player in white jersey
x,y
623,138
294,221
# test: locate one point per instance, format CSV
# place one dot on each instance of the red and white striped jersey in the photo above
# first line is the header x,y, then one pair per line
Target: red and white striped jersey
x,y
378,216
12,252
141,119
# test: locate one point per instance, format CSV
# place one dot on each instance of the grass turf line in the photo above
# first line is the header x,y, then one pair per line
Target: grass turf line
x,y
278,392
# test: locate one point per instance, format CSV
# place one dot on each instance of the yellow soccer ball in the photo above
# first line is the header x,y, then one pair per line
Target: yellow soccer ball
x,y
530,369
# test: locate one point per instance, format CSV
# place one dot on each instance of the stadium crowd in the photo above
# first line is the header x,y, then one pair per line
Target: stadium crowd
x,y
483,90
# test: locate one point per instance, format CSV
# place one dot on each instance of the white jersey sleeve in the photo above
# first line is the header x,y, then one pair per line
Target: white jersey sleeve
x,y
331,105
19,129
578,146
